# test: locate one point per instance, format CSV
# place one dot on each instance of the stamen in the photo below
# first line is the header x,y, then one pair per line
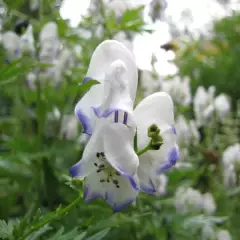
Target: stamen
x,y
99,170
102,180
117,186
115,182
117,173
102,154
101,166
95,164
98,154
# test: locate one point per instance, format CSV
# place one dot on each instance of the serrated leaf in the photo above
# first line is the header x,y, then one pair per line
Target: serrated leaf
x,y
100,235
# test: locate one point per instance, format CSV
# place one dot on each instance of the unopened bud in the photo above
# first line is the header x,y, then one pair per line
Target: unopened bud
x,y
156,145
153,131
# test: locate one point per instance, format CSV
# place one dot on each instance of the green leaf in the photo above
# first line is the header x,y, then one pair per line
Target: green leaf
x,y
100,235
86,86
5,230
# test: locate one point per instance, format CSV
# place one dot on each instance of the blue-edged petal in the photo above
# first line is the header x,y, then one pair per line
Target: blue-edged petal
x,y
87,164
173,156
117,197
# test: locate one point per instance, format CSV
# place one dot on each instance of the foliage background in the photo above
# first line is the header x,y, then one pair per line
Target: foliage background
x,y
37,196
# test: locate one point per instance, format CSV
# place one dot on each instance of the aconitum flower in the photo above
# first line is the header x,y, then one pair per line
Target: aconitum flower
x,y
231,155
109,163
189,199
209,205
183,131
203,104
179,90
231,162
222,106
12,44
49,43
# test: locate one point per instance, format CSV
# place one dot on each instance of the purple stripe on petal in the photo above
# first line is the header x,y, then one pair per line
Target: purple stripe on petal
x,y
85,121
75,170
86,79
116,116
125,117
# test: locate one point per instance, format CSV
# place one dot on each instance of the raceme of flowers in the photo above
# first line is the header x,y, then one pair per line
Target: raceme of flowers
x,y
128,149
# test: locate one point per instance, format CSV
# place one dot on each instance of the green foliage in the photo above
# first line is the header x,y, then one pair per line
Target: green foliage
x,y
213,60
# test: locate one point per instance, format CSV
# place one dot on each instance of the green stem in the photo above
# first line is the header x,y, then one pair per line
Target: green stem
x,y
60,212
148,147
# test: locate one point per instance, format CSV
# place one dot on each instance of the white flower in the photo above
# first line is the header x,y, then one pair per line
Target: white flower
x,y
222,106
223,235
11,42
231,160
229,176
179,90
231,155
109,163
203,104
149,82
208,232
188,200
69,127
194,132
183,131
49,43
209,205
156,109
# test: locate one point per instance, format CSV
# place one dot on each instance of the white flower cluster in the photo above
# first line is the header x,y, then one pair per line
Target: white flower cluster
x,y
191,200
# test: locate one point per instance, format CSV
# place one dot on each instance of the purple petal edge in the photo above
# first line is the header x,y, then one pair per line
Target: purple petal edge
x,y
129,177
85,121
150,189
75,170
173,156
88,196
120,207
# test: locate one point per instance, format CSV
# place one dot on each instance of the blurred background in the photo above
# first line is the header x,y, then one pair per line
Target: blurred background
x,y
189,49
